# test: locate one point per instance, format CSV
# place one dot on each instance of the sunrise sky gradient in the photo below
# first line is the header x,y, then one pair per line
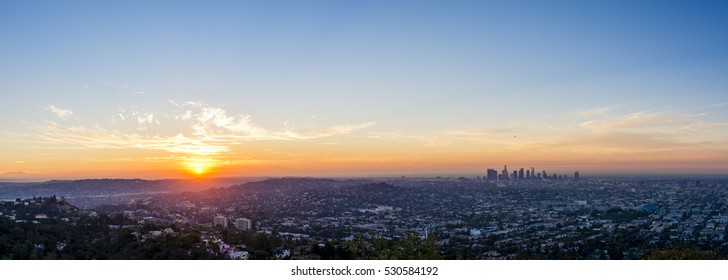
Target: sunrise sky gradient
x,y
158,89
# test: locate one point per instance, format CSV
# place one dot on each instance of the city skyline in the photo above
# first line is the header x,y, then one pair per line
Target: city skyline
x,y
173,89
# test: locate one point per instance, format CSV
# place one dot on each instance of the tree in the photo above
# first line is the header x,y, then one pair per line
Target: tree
x,y
408,247
682,254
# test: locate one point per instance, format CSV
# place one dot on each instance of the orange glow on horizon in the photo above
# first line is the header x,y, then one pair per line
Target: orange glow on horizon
x,y
357,157
198,168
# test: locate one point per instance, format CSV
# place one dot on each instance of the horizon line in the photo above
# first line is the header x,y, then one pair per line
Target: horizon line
x,y
403,176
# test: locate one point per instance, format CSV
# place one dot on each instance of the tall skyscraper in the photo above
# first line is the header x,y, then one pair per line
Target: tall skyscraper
x,y
576,175
220,221
492,174
504,176
520,173
533,172
544,175
243,224
528,174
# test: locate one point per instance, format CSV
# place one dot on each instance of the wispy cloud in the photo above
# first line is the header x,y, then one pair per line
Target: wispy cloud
x,y
145,117
209,131
645,134
716,105
434,143
641,120
214,122
595,112
205,161
604,135
140,119
100,138
478,132
60,112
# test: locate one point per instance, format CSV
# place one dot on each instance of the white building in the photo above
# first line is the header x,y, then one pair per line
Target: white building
x,y
220,221
239,255
243,224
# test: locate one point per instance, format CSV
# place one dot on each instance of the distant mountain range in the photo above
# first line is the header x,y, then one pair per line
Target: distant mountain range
x,y
11,173
91,192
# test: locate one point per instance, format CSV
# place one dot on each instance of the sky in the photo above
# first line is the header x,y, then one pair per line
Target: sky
x,y
180,89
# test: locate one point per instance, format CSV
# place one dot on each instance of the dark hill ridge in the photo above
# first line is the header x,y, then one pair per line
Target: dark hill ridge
x,y
290,182
92,192
294,184
303,186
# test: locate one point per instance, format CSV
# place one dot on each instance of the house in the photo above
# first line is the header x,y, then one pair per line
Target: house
x,y
60,245
239,255
282,253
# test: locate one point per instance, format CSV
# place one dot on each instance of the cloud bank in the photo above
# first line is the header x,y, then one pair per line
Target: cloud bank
x,y
60,112
205,130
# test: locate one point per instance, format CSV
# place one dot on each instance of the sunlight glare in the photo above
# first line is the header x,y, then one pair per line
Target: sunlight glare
x,y
198,167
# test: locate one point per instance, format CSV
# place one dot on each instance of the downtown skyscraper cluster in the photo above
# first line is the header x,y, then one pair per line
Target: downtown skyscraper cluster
x,y
504,175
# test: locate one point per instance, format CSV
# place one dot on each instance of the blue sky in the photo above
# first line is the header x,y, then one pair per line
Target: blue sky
x,y
412,69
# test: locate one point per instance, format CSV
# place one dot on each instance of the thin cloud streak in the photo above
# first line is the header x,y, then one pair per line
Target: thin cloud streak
x,y
100,138
716,105
641,120
212,132
60,112
593,112
478,132
602,136
215,123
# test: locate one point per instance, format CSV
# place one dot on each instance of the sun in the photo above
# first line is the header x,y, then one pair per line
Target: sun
x,y
198,168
